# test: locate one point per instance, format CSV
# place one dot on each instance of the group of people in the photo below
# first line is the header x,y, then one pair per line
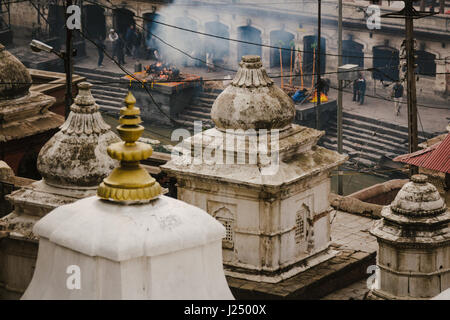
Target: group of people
x,y
127,43
359,89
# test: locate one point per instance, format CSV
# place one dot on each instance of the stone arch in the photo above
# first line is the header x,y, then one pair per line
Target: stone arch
x,y
352,53
123,18
250,34
219,47
426,63
284,39
94,21
186,41
309,48
155,29
386,59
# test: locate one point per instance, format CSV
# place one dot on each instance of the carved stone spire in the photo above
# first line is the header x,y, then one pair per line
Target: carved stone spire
x,y
252,101
76,156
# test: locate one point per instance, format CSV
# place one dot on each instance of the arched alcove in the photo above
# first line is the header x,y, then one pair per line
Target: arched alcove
x,y
426,63
386,61
219,47
123,18
283,39
310,54
94,21
352,53
249,34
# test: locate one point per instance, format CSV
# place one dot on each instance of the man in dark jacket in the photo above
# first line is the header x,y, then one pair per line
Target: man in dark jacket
x,y
397,95
355,90
100,48
361,89
120,46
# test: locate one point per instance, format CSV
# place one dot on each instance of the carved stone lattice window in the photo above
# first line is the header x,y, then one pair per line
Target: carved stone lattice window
x,y
300,225
225,216
228,241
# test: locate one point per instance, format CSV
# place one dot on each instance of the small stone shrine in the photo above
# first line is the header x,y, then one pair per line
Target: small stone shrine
x,y
130,241
414,244
263,177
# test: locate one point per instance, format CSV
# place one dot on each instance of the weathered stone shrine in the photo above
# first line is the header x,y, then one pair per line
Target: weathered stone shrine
x,y
72,163
262,177
414,244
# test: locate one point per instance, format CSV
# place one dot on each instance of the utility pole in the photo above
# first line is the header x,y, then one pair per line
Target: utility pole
x,y
318,85
339,99
68,64
411,90
409,14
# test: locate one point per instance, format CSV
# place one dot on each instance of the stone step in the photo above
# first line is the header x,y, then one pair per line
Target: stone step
x,y
198,114
387,125
105,80
206,101
191,119
106,98
199,109
378,129
102,72
109,104
208,95
371,142
109,91
353,151
368,134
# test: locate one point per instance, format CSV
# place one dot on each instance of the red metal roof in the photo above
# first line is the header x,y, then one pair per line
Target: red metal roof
x,y
436,157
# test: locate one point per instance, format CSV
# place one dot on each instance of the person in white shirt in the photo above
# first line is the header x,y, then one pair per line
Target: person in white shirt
x,y
113,37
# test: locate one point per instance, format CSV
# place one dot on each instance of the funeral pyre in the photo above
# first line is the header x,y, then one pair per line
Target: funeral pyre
x,y
162,72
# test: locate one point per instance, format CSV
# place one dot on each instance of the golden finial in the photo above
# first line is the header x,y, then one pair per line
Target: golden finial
x,y
129,182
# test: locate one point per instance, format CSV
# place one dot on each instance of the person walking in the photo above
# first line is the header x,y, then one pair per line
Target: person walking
x,y
100,49
397,94
113,37
355,90
361,89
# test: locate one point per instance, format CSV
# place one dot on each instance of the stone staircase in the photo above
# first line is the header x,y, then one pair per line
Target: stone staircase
x,y
110,94
367,140
199,109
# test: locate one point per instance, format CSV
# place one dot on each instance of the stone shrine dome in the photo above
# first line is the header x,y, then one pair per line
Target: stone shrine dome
x,y
76,156
252,101
14,77
418,198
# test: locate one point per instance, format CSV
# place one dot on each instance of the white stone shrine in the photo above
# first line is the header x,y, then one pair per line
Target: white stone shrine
x,y
263,177
129,241
414,244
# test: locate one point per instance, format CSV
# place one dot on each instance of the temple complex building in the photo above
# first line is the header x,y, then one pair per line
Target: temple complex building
x,y
72,163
